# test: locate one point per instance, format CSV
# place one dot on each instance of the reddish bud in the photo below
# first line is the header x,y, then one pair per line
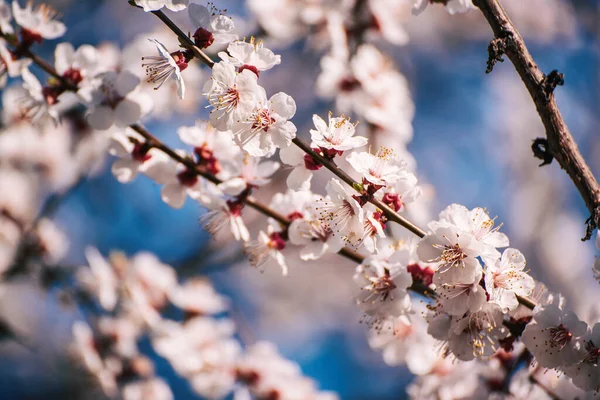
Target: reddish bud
x,y
250,68
419,274
203,38
277,241
393,200
295,215
73,76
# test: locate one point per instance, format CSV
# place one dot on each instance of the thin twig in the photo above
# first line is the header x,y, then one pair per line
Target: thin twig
x,y
561,144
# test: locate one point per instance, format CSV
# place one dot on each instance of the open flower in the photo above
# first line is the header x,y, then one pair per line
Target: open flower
x,y
134,155
586,373
232,96
222,214
113,101
455,253
267,127
303,164
380,169
153,5
213,26
478,223
471,336
553,336
505,280
341,214
267,247
337,135
249,172
38,23
34,104
383,283
160,68
252,56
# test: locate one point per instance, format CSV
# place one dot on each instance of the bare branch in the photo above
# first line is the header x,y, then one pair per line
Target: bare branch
x,y
561,144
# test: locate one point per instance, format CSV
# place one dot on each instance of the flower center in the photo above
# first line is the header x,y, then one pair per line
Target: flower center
x,y
593,353
452,255
559,336
262,120
276,241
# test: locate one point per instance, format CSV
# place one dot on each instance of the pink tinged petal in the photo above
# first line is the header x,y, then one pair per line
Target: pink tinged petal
x,y
283,134
497,239
267,168
199,15
173,194
240,52
574,324
101,118
299,179
313,250
233,187
180,84
221,24
159,167
125,170
225,73
291,155
282,263
63,57
283,105
127,112
550,315
319,124
126,82
176,5
120,147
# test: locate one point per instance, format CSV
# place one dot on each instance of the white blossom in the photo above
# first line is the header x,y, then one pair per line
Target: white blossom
x,y
506,279
554,336
267,127
337,135
38,22
160,68
232,96
213,26
153,5
341,214
251,55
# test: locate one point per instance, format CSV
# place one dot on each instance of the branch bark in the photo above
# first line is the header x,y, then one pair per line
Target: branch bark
x,y
561,144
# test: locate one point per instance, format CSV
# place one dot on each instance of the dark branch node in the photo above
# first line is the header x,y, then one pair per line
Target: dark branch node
x,y
592,224
496,50
541,150
551,81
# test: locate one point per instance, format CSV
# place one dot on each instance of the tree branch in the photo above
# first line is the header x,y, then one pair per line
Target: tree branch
x,y
561,144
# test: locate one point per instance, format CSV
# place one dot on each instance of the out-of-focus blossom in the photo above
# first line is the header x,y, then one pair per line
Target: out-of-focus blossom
x,y
153,5
38,23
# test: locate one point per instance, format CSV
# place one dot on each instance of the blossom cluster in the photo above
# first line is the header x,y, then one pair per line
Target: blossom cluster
x,y
134,295
479,292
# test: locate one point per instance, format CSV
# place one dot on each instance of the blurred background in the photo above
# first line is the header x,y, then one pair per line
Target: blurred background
x,y
471,143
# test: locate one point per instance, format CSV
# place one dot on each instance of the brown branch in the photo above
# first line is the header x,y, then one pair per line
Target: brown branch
x,y
561,144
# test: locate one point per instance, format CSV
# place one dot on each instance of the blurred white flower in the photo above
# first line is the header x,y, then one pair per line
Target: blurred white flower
x,y
38,23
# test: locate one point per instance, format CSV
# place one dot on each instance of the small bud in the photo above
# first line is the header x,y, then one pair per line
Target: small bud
x,y
203,38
